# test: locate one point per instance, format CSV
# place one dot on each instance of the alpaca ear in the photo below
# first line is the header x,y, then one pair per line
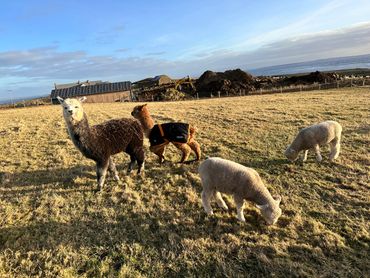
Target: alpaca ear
x,y
277,199
142,106
262,207
82,99
60,99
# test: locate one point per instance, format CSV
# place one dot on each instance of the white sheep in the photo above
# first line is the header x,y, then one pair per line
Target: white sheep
x,y
313,137
224,176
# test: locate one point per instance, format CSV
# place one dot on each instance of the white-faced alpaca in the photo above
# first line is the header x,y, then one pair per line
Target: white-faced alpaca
x,y
224,176
100,142
313,137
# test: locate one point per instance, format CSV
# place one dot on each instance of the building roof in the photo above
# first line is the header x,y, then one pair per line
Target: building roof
x,y
78,83
84,90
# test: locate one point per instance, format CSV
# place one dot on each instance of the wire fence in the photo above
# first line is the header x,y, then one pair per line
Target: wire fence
x,y
346,83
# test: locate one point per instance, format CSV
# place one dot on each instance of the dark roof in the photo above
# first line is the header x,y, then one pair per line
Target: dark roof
x,y
102,88
78,83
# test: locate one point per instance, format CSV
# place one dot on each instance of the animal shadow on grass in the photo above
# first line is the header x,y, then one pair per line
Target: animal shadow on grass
x,y
38,180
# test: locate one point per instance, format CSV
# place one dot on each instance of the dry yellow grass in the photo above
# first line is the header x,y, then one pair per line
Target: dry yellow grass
x,y
53,224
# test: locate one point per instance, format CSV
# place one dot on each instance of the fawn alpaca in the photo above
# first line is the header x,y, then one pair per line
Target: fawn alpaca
x,y
160,135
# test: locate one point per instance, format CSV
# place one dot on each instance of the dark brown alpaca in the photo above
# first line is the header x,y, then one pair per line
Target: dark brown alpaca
x,y
100,142
160,135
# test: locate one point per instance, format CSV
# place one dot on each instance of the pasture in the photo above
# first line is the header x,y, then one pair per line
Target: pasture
x,y
52,223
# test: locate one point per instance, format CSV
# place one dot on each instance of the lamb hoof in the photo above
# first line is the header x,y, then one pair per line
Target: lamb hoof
x,y
319,159
210,213
241,220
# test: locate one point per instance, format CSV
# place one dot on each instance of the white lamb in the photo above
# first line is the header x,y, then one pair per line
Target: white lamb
x,y
225,176
312,137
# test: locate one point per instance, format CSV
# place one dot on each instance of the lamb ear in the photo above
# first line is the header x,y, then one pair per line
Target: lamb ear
x,y
261,207
60,99
277,199
82,99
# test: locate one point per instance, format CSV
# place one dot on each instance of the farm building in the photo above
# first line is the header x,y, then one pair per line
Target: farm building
x,y
94,91
153,81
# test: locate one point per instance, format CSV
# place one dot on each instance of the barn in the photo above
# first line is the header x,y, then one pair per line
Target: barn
x,y
94,91
158,80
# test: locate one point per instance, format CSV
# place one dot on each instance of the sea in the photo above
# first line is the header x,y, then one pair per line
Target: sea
x,y
331,64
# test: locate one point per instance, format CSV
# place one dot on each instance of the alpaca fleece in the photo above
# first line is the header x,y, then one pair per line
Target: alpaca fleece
x,y
106,139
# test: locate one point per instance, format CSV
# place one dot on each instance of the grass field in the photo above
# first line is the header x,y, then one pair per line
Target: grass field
x,y
52,223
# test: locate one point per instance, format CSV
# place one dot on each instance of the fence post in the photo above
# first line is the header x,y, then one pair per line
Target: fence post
x,y
260,91
319,86
363,82
197,96
351,82
281,89
219,94
337,85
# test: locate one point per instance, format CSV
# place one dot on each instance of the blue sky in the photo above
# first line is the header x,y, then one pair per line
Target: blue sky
x,y
61,41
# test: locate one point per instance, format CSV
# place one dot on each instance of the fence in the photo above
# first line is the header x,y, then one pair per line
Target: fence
x,y
346,83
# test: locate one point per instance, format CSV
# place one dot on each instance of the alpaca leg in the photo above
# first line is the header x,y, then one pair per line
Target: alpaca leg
x,y
220,202
318,154
305,156
112,168
131,164
239,207
206,201
159,151
185,149
140,159
101,171
334,149
194,145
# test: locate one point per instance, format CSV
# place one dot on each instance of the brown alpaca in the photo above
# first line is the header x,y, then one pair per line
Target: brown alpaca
x,y
181,135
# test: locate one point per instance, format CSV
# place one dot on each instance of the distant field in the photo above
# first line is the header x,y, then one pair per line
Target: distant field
x,y
53,224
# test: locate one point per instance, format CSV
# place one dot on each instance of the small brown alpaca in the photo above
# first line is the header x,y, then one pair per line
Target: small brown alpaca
x,y
181,135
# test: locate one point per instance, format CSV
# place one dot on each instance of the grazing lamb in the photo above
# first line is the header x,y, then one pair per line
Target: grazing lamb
x,y
100,142
224,176
160,135
312,137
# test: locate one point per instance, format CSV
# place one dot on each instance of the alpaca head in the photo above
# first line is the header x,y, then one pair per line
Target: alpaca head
x,y
139,111
72,109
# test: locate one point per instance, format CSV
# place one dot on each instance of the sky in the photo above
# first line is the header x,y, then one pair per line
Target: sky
x,y
62,41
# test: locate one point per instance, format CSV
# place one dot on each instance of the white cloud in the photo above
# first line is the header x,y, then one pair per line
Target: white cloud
x,y
49,65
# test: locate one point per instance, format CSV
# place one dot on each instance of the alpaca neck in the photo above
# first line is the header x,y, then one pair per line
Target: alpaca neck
x,y
79,132
147,123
